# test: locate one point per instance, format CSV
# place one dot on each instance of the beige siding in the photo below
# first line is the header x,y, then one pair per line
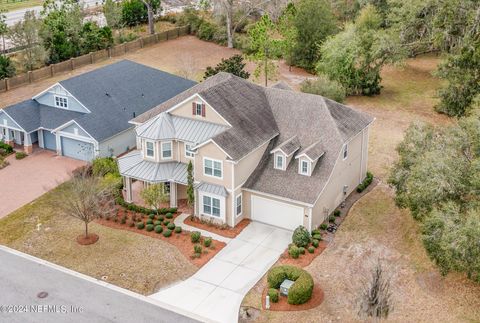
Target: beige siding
x,y
158,151
212,151
185,110
180,146
245,167
350,171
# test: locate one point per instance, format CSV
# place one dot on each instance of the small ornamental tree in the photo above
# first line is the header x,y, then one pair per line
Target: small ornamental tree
x,y
301,237
7,69
233,65
190,188
154,195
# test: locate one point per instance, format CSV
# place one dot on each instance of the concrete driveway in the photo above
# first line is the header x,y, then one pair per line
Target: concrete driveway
x,y
24,180
218,288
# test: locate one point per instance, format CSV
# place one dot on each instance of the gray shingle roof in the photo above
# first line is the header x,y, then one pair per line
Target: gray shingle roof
x,y
212,189
289,146
314,151
112,93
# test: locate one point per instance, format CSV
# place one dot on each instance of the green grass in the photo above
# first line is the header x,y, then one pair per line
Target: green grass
x,y
11,5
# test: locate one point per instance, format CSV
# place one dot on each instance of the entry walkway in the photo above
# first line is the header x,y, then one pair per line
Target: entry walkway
x,y
218,288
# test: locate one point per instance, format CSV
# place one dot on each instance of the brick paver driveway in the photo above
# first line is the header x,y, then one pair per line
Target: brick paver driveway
x,y
24,180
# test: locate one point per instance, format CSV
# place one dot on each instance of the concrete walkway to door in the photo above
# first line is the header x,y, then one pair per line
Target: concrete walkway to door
x,y
24,180
218,288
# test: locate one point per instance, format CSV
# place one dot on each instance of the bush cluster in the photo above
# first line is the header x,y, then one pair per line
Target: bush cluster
x,y
366,182
149,227
20,155
5,149
140,209
158,229
301,237
337,213
140,225
323,226
325,87
197,249
315,243
167,233
171,226
301,291
294,251
195,236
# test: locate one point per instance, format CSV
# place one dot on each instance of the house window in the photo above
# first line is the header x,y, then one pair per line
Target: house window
x,y
345,151
279,161
304,167
212,168
211,206
149,149
238,205
189,151
166,188
198,109
166,150
61,102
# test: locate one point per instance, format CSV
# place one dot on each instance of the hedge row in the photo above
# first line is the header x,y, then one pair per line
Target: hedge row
x,y
140,209
301,291
366,182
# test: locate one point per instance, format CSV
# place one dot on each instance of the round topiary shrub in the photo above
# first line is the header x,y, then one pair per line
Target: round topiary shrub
x,y
173,210
157,223
315,243
161,218
331,219
169,215
178,229
294,252
316,231
301,250
207,242
323,226
337,213
273,294
317,237
158,229
166,222
152,216
140,225
167,233
149,221
301,237
311,249
195,236
301,291
149,227
171,226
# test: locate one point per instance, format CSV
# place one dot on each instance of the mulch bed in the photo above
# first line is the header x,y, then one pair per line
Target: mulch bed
x,y
282,304
88,240
180,240
224,232
303,260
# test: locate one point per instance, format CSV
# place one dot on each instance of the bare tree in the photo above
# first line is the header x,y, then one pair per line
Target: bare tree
x,y
187,66
376,299
151,20
87,198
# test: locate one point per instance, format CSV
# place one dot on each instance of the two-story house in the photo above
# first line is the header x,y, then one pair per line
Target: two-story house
x,y
269,154
88,115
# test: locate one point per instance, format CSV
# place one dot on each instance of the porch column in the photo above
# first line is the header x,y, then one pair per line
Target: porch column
x,y
173,194
128,187
8,137
27,143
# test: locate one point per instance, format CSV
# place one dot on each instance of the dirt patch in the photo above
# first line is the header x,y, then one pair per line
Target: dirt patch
x,y
180,240
282,304
91,238
224,232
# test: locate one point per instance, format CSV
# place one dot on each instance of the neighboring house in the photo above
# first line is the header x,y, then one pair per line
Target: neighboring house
x,y
87,115
269,154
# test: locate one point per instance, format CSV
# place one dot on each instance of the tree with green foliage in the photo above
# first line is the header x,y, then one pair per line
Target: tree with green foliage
x,y
324,87
154,195
190,183
25,34
104,165
112,10
7,69
286,28
265,47
355,56
135,12
95,38
233,65
437,178
314,22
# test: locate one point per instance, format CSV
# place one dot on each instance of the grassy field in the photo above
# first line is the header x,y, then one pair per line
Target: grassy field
x,y
10,5
123,258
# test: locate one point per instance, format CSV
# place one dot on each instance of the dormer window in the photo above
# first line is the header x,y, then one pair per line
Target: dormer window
x,y
279,161
150,149
61,102
198,109
304,167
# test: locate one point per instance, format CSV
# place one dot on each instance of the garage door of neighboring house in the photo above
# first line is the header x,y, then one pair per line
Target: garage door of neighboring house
x,y
276,213
77,149
49,140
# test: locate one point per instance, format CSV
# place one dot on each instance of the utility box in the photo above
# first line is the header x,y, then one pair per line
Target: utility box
x,y
285,286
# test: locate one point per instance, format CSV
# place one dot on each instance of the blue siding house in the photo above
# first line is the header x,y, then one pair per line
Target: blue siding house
x,y
87,116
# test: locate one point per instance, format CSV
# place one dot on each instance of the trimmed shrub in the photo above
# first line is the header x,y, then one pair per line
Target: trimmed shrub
x,y
20,155
317,237
149,221
152,216
311,249
331,219
7,148
366,182
163,210
197,248
301,291
315,243
173,210
169,215
140,225
178,229
166,223
301,237
337,213
161,218
171,226
167,233
207,242
294,252
206,31
301,250
323,226
273,294
158,229
316,231
157,223
149,227
195,236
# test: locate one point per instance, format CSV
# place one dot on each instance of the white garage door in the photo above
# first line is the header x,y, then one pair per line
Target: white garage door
x,y
276,213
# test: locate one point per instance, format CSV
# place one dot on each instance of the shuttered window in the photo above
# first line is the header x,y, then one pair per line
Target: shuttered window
x,y
198,109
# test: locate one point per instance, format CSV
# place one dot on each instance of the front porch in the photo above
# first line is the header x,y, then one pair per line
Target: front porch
x,y
18,139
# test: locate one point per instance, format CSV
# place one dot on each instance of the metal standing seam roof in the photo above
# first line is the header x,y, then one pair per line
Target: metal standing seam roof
x,y
212,189
133,165
167,126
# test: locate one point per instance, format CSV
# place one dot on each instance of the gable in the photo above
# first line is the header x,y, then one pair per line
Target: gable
x,y
5,120
74,129
184,109
48,98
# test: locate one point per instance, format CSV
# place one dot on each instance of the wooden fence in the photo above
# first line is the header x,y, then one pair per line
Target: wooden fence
x,y
76,62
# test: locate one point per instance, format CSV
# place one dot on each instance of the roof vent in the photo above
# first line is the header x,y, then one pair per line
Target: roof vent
x,y
134,114
107,94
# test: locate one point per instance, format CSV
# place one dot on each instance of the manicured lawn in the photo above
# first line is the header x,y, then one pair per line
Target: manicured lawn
x,y
127,259
11,5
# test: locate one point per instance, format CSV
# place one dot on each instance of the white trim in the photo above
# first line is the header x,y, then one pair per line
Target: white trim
x,y
278,197
305,155
300,167
185,150
241,205
75,137
60,97
222,205
145,149
14,128
213,168
66,124
161,150
310,215
275,159
212,141
68,92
